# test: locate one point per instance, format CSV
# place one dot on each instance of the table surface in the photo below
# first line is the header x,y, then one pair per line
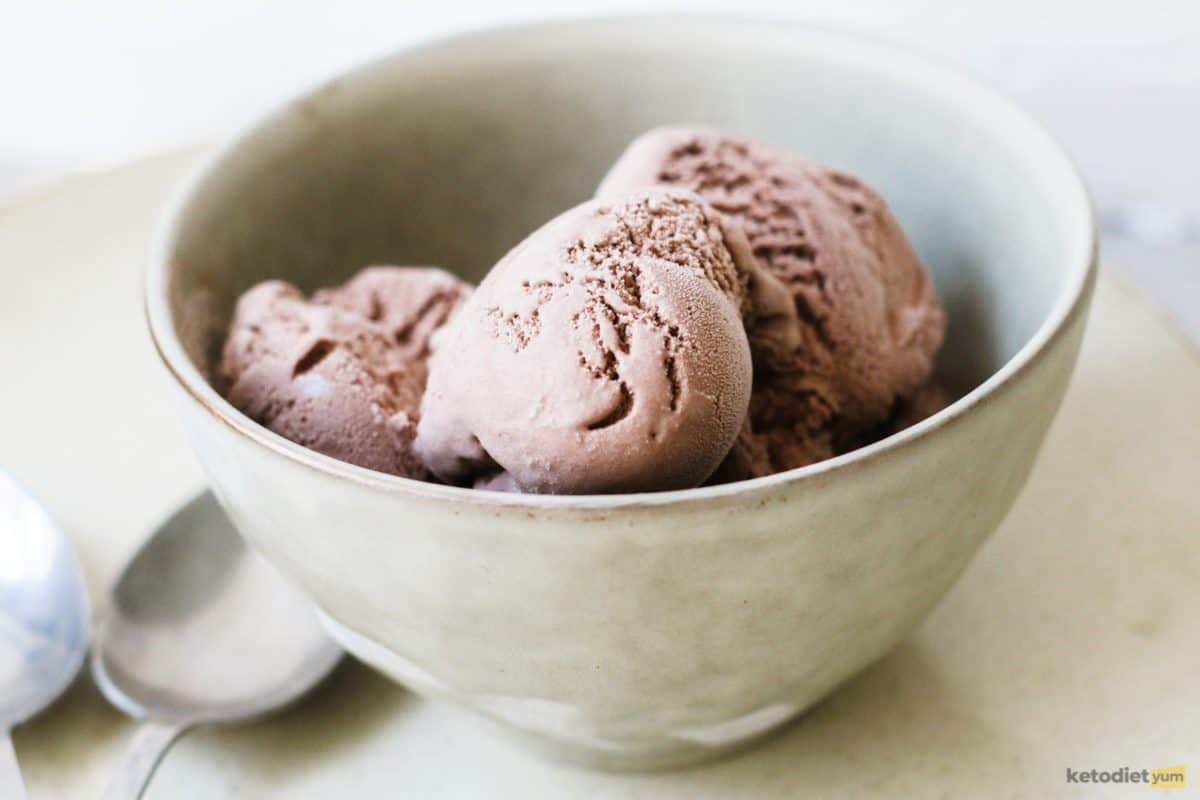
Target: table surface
x,y
1073,641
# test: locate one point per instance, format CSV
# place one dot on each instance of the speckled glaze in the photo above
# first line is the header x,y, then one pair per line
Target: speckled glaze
x,y
631,631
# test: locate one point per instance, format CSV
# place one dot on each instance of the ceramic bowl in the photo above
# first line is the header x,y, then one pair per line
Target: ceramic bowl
x,y
647,630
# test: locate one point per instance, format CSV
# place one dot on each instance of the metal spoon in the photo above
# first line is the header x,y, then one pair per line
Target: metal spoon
x,y
43,619
202,631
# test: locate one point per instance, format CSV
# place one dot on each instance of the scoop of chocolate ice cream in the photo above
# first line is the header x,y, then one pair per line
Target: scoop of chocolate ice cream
x,y
344,373
867,320
409,303
604,353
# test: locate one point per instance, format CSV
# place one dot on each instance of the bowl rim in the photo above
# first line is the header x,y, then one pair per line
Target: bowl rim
x,y
985,101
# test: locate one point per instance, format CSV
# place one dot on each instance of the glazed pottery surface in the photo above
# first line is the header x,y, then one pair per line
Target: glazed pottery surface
x,y
631,631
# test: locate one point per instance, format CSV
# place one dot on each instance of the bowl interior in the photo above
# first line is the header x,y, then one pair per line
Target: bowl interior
x,y
450,154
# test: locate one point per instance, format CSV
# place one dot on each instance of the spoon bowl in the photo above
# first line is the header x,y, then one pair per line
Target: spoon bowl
x,y
43,616
201,631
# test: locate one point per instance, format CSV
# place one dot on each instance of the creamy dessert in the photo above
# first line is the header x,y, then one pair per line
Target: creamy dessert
x,y
720,311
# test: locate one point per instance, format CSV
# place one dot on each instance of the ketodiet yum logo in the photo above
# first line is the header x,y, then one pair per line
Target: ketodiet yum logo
x,y
1159,778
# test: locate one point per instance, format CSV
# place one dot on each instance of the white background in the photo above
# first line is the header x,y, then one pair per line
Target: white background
x,y
88,82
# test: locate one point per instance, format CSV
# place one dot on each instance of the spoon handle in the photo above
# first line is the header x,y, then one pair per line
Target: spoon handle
x,y
11,784
150,743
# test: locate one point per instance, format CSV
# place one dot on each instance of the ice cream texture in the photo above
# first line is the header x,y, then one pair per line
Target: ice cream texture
x,y
721,310
343,373
867,319
612,347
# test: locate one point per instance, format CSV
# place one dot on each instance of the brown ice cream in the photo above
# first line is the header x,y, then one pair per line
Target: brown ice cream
x,y
867,320
604,353
925,402
409,303
721,311
344,373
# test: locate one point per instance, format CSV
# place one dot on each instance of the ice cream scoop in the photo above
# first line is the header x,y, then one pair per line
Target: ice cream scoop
x,y
342,374
867,319
605,353
410,303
